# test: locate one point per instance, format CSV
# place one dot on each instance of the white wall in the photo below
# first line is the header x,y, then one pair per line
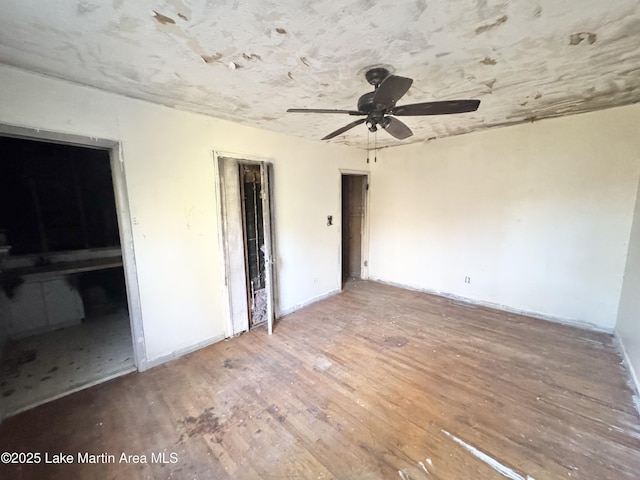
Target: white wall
x,y
538,215
628,324
168,161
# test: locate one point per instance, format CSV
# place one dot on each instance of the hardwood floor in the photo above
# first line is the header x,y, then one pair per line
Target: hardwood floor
x,y
373,383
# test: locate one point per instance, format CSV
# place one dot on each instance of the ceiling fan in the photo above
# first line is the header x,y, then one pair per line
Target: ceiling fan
x,y
380,108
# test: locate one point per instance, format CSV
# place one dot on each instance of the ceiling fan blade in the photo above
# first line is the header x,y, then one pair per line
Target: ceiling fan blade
x,y
396,128
436,108
391,90
344,129
323,110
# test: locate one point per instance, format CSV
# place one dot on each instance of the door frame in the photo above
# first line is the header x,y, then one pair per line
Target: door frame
x,y
266,166
123,213
364,254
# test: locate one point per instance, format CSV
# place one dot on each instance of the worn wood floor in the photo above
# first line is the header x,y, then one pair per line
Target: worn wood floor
x,y
374,383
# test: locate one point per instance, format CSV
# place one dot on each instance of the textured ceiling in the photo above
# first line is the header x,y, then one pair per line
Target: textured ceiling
x,y
248,61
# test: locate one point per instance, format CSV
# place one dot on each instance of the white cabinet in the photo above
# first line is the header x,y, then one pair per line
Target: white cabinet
x,y
41,305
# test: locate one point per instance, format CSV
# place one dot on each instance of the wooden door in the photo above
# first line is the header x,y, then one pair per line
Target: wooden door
x,y
269,259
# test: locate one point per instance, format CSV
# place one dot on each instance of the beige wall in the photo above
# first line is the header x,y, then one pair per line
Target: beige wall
x,y
168,161
538,215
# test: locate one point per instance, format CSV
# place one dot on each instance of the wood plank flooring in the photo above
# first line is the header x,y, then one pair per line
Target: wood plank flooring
x,y
374,383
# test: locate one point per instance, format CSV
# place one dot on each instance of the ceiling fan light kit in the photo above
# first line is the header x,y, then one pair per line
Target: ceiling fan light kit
x,y
379,107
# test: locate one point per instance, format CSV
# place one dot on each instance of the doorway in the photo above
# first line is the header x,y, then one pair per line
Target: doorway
x,y
64,309
246,216
354,191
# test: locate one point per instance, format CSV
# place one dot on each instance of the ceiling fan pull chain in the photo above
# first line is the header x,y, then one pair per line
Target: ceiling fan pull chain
x,y
375,147
368,133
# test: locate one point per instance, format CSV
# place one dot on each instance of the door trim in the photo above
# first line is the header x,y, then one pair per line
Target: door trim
x,y
266,164
123,213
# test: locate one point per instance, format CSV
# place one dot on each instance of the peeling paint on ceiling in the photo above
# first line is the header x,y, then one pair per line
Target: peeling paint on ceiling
x,y
250,61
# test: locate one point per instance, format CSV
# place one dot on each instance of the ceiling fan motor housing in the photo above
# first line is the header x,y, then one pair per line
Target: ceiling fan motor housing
x,y
375,113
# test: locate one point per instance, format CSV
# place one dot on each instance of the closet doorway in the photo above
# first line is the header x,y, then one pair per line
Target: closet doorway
x,y
354,188
246,216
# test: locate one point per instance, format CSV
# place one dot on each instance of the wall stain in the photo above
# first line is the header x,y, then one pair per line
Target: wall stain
x,y
304,60
498,22
281,31
488,61
183,17
290,75
577,38
163,19
442,54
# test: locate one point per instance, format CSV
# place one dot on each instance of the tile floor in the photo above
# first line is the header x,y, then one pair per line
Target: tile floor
x,y
41,368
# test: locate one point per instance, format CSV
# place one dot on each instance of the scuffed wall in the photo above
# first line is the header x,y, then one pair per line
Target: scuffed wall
x,y
537,216
167,156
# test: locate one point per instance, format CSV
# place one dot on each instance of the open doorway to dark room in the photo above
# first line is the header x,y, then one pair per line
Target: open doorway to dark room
x,y
354,188
64,323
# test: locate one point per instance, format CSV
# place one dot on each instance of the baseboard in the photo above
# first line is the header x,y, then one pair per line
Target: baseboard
x,y
633,381
503,308
181,352
298,306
